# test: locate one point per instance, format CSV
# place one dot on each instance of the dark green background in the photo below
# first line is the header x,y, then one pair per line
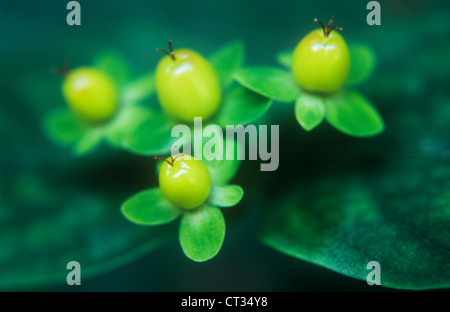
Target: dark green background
x,y
412,46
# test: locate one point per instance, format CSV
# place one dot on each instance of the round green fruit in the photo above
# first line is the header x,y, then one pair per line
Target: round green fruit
x,y
187,85
90,94
321,60
184,181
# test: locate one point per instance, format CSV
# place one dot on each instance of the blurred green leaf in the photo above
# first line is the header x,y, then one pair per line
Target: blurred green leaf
x,y
125,122
89,141
309,110
115,65
242,106
350,112
149,207
363,61
39,237
63,127
226,195
223,170
227,59
272,82
284,58
392,217
202,232
151,137
139,89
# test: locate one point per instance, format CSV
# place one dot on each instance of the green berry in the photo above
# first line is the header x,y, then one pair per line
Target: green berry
x,y
90,94
187,85
184,181
321,60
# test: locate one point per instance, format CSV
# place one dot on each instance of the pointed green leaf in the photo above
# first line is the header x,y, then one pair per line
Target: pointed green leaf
x,y
363,61
139,89
226,195
125,122
89,141
63,127
398,216
309,110
149,207
351,113
227,60
151,137
114,64
202,232
272,82
241,106
284,58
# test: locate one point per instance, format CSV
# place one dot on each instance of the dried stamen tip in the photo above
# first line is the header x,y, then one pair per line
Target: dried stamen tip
x,y
170,52
62,71
163,159
329,29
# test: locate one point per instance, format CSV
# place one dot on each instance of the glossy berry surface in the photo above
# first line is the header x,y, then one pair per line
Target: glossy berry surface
x,y
184,181
187,86
321,61
90,94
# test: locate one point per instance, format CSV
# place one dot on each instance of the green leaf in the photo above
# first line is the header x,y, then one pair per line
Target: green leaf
x,y
363,61
125,122
242,106
309,110
224,169
114,64
227,60
399,217
63,127
139,89
226,195
284,58
272,82
202,232
151,137
149,207
89,141
350,112
60,221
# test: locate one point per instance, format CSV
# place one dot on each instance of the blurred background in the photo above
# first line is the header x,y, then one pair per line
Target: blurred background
x,y
55,208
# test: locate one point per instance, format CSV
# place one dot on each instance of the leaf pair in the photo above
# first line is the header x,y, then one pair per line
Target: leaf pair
x,y
346,110
202,230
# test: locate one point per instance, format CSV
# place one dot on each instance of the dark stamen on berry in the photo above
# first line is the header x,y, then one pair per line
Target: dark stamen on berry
x,y
320,23
163,159
62,71
329,29
179,155
170,52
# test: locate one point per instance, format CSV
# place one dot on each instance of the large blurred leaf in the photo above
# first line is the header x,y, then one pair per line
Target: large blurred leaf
x,y
58,223
399,217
